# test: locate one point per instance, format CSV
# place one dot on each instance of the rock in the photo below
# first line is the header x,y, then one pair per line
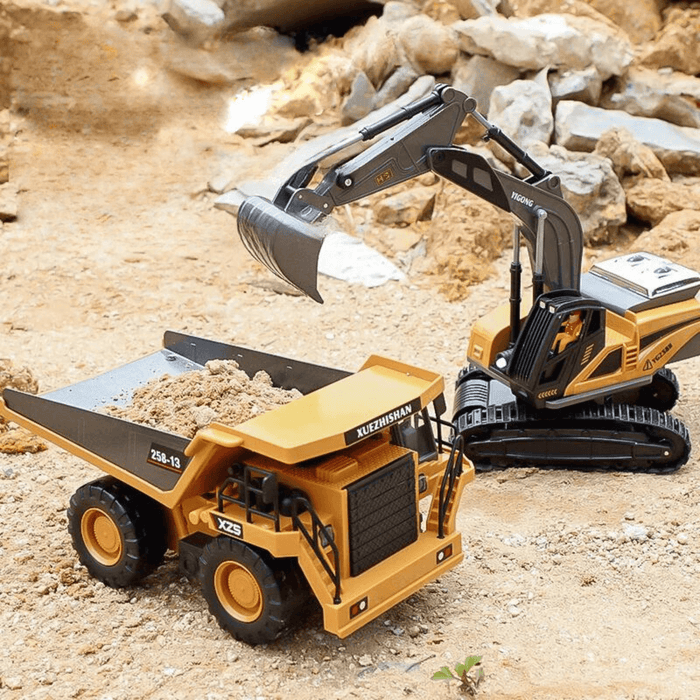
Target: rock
x,y
429,46
590,186
629,156
360,102
674,238
307,90
652,200
395,85
8,201
636,533
471,9
676,45
548,40
373,49
667,95
271,128
478,76
346,258
197,20
523,110
20,441
235,60
641,20
14,377
578,127
403,208
580,85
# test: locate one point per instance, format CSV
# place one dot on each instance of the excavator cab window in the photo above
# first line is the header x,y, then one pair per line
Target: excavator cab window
x,y
569,331
416,433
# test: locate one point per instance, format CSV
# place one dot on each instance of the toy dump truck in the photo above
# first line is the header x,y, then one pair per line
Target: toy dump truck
x,y
348,493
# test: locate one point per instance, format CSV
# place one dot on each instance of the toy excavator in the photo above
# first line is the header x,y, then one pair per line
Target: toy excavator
x,y
577,377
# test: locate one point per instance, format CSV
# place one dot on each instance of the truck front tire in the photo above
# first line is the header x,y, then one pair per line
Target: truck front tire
x,y
251,595
117,532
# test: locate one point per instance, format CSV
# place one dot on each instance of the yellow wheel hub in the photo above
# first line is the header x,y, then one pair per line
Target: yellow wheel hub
x,y
238,591
101,536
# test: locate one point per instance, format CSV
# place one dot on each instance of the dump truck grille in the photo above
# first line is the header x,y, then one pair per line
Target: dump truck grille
x,y
382,514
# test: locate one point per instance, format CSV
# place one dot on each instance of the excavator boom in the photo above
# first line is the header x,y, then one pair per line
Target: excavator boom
x,y
284,236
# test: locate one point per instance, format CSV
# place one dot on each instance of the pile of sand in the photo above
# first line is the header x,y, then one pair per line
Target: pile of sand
x,y
221,392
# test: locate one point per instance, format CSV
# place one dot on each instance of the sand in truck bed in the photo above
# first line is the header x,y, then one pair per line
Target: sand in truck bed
x,y
220,392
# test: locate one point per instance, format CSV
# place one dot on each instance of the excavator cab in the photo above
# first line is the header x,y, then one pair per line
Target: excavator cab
x,y
561,334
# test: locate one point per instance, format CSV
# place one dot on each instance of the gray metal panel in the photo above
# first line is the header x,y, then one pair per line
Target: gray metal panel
x,y
123,443
284,372
116,387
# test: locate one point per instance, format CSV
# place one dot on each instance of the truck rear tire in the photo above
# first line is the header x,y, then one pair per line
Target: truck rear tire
x,y
251,595
117,532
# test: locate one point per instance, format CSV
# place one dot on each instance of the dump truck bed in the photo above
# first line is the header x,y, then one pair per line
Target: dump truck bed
x,y
337,409
73,413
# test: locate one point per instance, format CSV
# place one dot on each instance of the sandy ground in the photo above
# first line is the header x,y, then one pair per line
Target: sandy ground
x,y
575,585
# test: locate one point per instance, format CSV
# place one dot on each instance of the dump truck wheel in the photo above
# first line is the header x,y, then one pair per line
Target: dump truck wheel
x,y
117,532
251,595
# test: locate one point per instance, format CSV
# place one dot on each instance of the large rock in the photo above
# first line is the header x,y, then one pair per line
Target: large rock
x,y
628,156
407,207
675,238
548,41
374,50
652,200
578,127
198,20
471,9
590,186
429,46
665,94
640,19
395,86
523,110
360,102
477,76
582,85
676,45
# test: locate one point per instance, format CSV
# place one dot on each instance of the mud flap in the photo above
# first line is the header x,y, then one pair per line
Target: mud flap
x,y
286,245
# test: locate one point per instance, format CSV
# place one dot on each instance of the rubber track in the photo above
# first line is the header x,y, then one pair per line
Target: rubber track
x,y
514,435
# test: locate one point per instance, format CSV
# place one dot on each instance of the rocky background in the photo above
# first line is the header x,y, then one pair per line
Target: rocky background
x,y
122,128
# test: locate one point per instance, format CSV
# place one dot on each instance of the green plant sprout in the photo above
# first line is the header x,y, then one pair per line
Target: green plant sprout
x,y
469,681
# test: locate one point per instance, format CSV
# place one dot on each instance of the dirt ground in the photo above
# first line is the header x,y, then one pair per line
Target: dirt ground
x,y
574,585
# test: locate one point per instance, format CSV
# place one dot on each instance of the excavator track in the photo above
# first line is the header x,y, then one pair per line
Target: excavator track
x,y
610,436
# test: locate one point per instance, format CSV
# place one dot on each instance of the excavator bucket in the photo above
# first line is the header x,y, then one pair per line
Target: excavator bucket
x,y
286,245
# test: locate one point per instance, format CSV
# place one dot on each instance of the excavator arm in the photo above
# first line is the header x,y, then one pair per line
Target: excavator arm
x,y
283,234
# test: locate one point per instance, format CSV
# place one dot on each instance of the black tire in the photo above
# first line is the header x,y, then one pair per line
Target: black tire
x,y
118,533
252,596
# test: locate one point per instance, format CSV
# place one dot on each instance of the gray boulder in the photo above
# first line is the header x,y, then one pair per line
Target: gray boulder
x,y
197,20
663,94
477,76
523,110
548,40
578,127
590,186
